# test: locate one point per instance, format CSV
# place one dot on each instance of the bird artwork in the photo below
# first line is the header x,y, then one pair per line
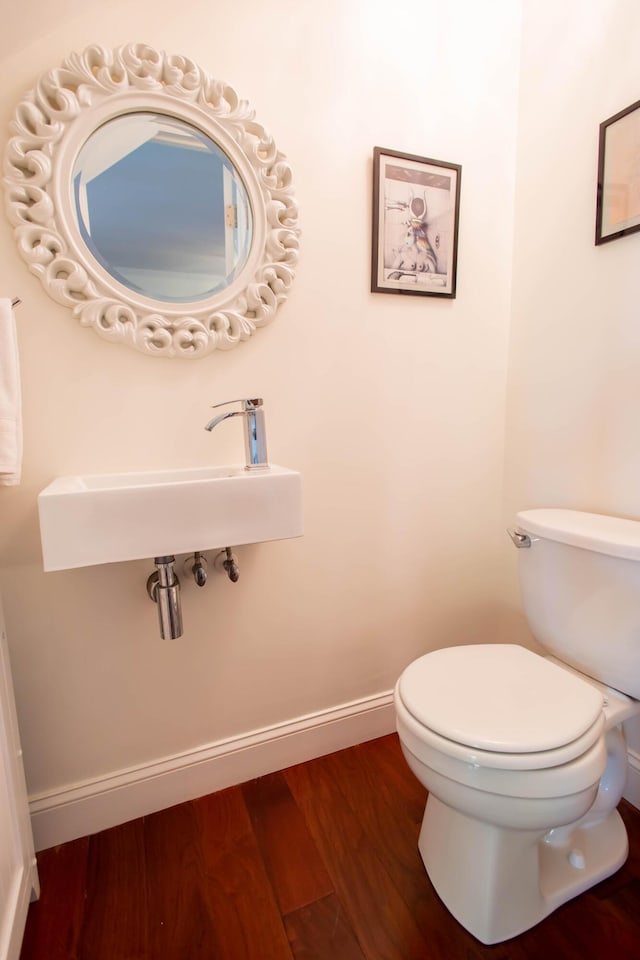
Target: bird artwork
x,y
415,255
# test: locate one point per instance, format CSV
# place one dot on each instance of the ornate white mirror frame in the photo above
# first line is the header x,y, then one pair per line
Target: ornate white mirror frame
x,y
50,127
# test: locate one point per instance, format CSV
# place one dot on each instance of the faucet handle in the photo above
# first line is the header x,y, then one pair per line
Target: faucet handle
x,y
247,404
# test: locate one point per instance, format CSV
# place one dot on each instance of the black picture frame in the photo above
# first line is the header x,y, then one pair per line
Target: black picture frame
x,y
416,213
618,196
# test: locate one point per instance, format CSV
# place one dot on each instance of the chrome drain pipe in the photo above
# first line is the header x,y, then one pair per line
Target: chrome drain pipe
x,y
163,587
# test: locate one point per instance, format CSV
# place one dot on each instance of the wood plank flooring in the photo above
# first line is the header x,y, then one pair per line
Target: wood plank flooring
x,y
317,862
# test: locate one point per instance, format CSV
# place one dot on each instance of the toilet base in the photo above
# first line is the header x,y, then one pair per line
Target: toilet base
x,y
498,882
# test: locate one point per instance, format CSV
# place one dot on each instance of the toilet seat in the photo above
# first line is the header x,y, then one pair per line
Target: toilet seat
x,y
501,706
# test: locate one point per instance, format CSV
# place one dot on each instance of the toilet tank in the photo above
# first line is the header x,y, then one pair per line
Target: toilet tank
x,y
580,587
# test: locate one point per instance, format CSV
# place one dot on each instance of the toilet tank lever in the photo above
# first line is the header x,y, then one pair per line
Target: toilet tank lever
x,y
520,539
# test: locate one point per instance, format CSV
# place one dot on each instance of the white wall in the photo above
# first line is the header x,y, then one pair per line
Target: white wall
x,y
392,407
574,387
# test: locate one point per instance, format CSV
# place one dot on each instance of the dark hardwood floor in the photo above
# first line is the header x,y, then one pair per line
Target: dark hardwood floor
x,y
318,862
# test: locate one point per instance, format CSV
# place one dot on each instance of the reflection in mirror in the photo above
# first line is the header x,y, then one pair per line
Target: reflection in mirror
x,y
161,207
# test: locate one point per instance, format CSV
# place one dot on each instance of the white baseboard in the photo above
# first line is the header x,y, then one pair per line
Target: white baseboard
x,y
85,808
632,789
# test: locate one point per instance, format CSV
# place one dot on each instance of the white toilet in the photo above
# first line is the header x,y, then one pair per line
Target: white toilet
x,y
523,755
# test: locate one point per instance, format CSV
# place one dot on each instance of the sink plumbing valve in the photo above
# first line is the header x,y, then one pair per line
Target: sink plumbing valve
x,y
227,561
196,567
163,587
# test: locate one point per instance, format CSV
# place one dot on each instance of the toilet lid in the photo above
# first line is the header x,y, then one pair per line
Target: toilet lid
x,y
499,697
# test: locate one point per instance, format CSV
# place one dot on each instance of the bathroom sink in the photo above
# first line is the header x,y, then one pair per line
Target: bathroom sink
x,y
106,518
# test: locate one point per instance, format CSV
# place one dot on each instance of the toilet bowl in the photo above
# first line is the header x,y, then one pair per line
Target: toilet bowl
x,y
514,749
532,781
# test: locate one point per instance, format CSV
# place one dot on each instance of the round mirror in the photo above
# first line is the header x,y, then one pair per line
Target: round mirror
x,y
146,197
162,208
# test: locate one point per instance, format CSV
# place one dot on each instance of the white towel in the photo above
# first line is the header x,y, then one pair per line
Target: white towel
x,y
10,399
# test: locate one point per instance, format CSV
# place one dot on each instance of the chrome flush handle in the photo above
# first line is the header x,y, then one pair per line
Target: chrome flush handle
x,y
520,539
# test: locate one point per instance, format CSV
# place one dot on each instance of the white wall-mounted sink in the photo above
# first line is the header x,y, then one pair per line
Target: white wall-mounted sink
x,y
106,518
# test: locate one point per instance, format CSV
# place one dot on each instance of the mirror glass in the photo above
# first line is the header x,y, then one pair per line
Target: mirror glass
x,y
161,207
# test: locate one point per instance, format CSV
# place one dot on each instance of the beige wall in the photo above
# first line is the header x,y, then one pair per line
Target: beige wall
x,y
392,408
574,388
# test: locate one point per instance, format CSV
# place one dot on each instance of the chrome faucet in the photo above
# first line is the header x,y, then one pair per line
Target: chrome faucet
x,y
255,439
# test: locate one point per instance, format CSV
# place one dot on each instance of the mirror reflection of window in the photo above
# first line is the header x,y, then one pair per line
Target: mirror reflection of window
x,y
162,208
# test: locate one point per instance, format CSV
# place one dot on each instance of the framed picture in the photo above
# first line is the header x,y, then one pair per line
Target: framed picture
x,y
416,206
618,201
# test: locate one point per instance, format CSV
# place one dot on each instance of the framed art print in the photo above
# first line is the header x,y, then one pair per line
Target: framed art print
x,y
618,198
416,208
